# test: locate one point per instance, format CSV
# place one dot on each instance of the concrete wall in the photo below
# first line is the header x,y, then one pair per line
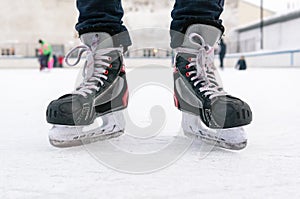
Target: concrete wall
x,y
279,36
248,12
238,13
23,22
283,35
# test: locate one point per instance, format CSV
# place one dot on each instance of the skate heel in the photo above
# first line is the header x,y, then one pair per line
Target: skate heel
x,y
108,126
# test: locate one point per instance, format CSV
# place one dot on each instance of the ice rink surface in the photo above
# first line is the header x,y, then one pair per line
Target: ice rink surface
x,y
268,168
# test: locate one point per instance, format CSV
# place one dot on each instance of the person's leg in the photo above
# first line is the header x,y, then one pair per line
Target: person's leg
x,y
44,61
103,16
221,61
188,12
199,94
103,92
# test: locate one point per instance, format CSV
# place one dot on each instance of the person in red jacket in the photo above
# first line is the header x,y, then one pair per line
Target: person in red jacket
x,y
60,61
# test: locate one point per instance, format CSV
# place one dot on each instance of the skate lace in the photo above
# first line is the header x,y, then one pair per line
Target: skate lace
x,y
95,67
204,73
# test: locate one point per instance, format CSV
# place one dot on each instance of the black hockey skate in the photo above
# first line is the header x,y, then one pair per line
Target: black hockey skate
x,y
103,93
197,88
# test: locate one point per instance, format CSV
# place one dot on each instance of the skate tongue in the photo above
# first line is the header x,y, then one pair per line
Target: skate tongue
x,y
104,40
209,33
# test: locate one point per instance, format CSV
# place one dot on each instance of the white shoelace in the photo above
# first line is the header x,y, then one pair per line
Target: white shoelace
x,y
204,65
94,68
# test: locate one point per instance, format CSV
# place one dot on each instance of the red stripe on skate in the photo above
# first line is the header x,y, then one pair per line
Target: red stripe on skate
x,y
176,101
175,69
125,98
123,68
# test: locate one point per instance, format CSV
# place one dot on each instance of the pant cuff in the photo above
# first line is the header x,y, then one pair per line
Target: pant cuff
x,y
120,38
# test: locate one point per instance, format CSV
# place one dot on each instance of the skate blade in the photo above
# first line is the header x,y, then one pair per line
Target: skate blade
x,y
217,142
113,125
80,142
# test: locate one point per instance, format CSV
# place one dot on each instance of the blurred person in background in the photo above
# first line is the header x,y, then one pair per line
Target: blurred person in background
x,y
241,64
46,57
60,61
55,61
222,53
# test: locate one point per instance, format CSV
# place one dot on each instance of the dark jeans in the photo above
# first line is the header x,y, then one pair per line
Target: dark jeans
x,y
221,57
44,61
106,16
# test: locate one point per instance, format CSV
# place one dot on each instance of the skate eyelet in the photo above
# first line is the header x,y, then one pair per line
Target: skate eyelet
x,y
109,59
106,72
187,67
110,66
189,59
187,74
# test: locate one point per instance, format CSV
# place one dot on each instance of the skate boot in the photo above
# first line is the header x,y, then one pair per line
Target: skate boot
x,y
103,93
200,95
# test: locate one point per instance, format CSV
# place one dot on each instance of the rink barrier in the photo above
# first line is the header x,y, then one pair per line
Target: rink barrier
x,y
20,62
284,58
16,61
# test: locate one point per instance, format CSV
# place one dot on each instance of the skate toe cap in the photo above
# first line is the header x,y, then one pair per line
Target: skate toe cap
x,y
59,112
231,113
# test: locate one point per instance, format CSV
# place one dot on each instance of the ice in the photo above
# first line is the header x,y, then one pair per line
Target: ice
x,y
268,168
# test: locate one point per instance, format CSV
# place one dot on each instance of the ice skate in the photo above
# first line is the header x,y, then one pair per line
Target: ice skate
x,y
231,138
198,90
103,93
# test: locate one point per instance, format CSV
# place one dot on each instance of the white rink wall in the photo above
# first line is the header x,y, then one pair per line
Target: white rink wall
x,y
254,60
18,62
265,59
